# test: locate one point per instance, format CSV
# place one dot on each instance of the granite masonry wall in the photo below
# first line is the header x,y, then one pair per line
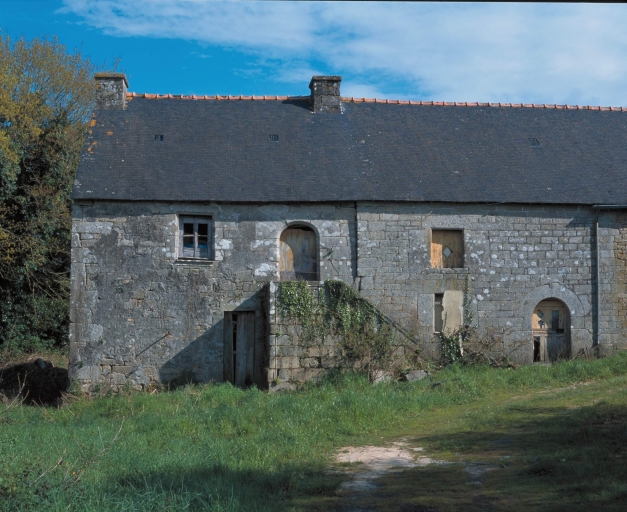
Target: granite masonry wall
x,y
514,257
290,360
142,316
613,279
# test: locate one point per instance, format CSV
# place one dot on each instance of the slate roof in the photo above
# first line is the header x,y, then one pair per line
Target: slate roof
x,y
220,149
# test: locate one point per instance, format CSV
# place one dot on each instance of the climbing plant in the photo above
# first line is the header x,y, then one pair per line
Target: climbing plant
x,y
298,302
452,342
364,340
470,345
469,316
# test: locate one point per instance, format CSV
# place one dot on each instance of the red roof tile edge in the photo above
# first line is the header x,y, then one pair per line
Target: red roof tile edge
x,y
131,95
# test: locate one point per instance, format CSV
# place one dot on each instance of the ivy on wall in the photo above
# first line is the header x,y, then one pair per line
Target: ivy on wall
x,y
365,341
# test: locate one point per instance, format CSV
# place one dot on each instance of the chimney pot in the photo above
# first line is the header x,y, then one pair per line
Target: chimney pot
x,y
325,94
111,91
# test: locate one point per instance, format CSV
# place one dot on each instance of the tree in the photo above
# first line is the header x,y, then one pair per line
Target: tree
x,y
46,96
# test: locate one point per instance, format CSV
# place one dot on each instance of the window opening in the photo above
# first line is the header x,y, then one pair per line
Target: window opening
x,y
448,311
298,254
188,235
447,248
158,138
438,312
195,239
203,236
274,137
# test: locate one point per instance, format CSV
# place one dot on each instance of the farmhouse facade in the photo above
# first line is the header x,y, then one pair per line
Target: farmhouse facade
x,y
189,210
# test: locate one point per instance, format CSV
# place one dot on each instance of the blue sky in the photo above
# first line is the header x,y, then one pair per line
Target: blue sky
x,y
531,53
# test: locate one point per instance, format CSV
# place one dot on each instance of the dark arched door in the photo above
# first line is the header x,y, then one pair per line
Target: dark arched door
x,y
298,254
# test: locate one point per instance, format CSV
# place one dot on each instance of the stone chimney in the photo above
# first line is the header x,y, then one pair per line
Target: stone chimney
x,y
111,91
325,94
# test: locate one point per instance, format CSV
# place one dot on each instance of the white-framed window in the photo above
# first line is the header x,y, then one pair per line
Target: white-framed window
x,y
196,237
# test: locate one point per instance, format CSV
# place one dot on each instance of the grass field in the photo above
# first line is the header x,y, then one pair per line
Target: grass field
x,y
549,438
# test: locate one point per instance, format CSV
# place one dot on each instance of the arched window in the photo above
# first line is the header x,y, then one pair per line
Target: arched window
x,y
298,254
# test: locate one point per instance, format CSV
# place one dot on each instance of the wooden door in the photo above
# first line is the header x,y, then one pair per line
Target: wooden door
x,y
551,329
239,347
298,254
556,346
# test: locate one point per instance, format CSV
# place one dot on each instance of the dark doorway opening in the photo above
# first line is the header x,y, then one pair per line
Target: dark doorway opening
x,y
551,331
536,349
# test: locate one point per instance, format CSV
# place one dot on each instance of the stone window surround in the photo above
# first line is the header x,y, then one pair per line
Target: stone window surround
x,y
210,259
309,226
451,304
461,269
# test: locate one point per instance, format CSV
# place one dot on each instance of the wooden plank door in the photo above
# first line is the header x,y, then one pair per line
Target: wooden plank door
x,y
239,347
229,371
245,343
557,346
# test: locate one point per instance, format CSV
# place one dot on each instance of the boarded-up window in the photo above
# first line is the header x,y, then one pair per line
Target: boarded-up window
x,y
195,239
448,311
298,254
447,248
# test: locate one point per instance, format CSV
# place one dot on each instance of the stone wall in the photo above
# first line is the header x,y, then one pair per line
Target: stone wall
x,y
289,360
515,256
139,315
613,278
292,360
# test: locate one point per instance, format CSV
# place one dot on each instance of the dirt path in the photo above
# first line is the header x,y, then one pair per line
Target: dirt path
x,y
373,462
369,465
399,476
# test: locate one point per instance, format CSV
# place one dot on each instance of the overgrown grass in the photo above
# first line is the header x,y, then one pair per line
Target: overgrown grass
x,y
215,447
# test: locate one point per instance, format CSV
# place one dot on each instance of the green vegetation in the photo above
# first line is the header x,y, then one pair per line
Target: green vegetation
x,y
46,96
558,444
366,342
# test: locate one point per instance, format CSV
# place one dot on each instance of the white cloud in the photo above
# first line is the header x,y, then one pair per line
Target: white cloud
x,y
530,53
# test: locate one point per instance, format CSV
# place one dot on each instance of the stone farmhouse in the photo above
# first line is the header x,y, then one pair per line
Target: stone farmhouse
x,y
189,209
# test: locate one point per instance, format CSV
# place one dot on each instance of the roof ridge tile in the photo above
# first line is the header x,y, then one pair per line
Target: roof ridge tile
x,y
351,99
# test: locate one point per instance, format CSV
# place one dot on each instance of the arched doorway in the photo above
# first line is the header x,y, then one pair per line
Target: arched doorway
x,y
550,325
298,254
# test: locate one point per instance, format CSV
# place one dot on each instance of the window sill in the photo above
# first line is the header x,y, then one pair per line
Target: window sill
x,y
195,262
447,271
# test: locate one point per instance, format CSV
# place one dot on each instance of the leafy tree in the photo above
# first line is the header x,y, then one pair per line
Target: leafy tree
x,y
46,96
